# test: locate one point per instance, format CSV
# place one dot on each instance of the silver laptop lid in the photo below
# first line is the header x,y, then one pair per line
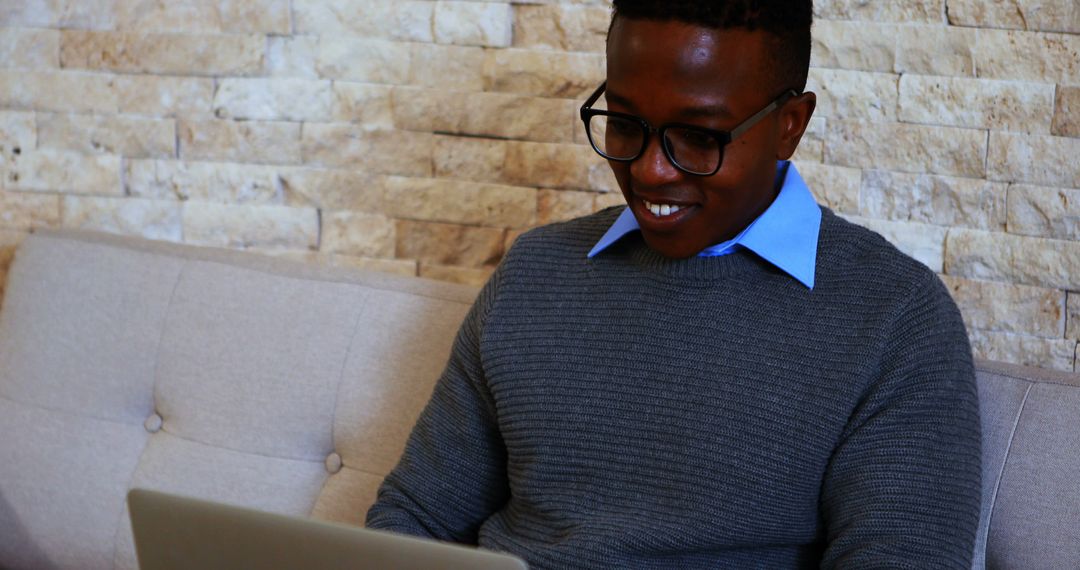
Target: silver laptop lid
x,y
180,533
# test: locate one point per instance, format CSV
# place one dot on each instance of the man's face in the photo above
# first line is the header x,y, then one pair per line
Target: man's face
x,y
667,72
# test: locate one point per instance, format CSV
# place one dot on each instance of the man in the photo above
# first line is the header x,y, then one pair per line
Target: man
x,y
721,375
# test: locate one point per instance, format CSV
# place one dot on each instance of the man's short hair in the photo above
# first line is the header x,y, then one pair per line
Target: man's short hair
x,y
787,20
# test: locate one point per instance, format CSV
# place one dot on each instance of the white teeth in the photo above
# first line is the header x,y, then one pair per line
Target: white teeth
x,y
661,210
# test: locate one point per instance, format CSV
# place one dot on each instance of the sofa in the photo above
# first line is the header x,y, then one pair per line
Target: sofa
x,y
292,387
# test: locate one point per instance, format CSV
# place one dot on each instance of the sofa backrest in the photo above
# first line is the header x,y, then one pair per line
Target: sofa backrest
x,y
292,388
238,378
1031,468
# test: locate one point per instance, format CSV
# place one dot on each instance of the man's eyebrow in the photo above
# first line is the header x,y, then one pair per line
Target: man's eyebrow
x,y
703,111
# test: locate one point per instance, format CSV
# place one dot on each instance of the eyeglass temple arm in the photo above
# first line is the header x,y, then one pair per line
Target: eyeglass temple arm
x,y
592,98
745,126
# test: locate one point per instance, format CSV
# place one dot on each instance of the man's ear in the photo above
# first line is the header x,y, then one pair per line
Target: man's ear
x,y
794,117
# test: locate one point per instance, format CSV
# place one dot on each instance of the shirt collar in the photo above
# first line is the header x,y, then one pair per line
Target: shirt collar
x,y
785,235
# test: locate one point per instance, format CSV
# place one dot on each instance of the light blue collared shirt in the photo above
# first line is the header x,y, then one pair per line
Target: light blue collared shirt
x,y
785,235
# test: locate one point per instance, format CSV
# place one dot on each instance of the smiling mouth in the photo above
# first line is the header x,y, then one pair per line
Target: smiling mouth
x,y
662,210
661,217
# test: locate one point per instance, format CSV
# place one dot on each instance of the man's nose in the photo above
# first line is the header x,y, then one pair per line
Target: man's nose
x,y
653,168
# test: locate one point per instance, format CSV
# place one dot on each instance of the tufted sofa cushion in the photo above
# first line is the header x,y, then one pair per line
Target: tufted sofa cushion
x,y
1031,468
224,375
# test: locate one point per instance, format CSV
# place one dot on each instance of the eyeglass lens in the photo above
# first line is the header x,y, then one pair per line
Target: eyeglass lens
x,y
622,139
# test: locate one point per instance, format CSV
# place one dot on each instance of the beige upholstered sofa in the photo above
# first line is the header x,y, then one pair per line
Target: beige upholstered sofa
x,y
291,388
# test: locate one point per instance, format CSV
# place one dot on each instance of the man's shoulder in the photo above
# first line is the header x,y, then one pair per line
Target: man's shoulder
x,y
849,251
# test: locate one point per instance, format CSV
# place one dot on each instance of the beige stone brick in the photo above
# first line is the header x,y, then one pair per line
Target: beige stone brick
x,y
469,158
333,189
22,211
235,226
1044,15
151,219
499,115
1072,319
388,19
930,199
125,135
561,27
27,48
1023,260
403,267
1034,159
53,170
927,11
363,59
292,56
1005,307
449,244
188,54
847,94
62,91
18,133
262,142
607,200
274,99
556,166
1044,212
511,237
812,146
459,202
560,205
601,179
203,181
266,16
448,67
935,50
1055,354
836,187
906,148
977,103
473,23
475,276
923,242
370,105
358,234
163,96
1066,112
866,46
379,152
545,74
79,14
1028,56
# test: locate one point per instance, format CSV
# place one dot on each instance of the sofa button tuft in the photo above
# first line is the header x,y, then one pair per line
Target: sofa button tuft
x,y
153,423
333,463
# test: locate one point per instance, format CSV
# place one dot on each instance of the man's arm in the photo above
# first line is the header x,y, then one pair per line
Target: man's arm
x,y
902,489
452,475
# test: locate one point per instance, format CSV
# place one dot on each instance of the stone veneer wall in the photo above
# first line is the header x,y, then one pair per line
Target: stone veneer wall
x,y
421,137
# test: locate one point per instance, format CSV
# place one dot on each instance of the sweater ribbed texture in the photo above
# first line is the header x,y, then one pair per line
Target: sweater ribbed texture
x,y
634,411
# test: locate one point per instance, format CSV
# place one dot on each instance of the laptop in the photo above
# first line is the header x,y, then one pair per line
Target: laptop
x,y
174,533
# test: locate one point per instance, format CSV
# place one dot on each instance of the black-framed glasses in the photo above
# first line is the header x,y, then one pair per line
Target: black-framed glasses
x,y
692,149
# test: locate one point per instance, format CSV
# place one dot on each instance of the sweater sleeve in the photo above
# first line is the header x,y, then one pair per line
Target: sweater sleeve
x,y
452,474
902,488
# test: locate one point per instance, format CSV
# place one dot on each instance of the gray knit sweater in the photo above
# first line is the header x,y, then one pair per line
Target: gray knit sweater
x,y
633,411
